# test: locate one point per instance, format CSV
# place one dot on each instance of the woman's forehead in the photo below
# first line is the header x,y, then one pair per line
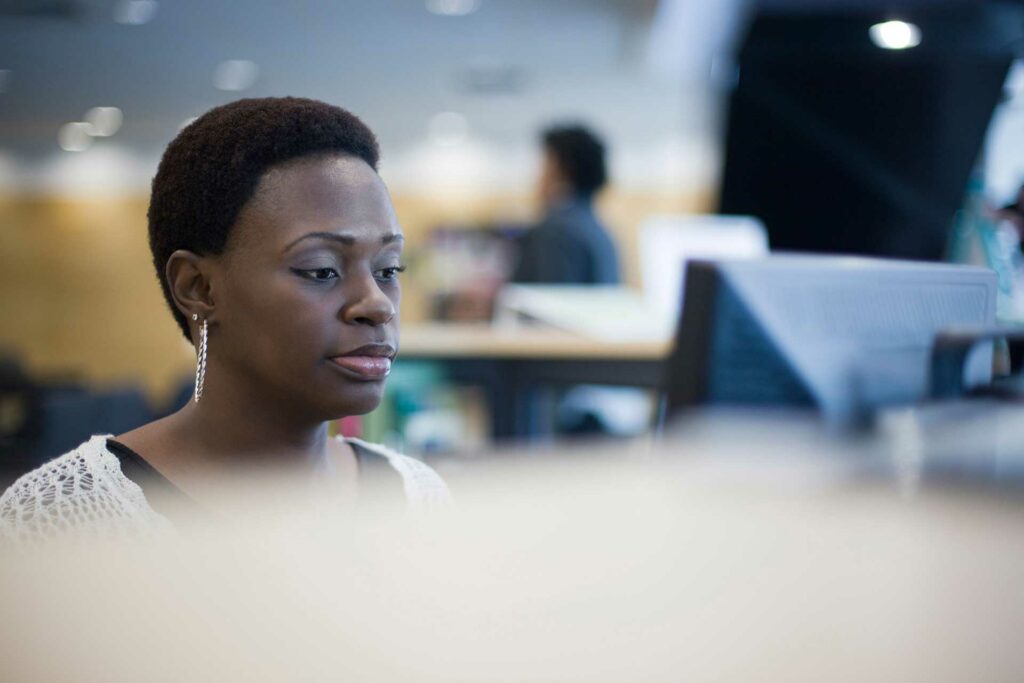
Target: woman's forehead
x,y
324,194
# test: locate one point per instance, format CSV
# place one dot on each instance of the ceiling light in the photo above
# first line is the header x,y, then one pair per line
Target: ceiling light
x,y
74,137
895,35
135,12
104,121
453,8
235,74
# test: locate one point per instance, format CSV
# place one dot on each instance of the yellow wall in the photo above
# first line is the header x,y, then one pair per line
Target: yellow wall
x,y
79,298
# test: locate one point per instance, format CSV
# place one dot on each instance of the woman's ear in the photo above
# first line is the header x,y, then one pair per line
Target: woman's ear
x,y
189,278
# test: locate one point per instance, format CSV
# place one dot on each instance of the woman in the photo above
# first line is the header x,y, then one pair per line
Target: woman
x,y
278,251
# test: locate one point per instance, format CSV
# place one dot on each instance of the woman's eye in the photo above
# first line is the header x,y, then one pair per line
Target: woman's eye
x,y
388,274
318,274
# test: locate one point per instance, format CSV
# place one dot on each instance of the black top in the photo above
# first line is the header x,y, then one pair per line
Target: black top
x,y
170,501
161,494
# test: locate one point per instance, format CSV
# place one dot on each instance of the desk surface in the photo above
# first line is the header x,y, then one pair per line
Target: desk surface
x,y
463,340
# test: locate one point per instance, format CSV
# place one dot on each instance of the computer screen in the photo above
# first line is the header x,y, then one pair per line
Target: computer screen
x,y
837,334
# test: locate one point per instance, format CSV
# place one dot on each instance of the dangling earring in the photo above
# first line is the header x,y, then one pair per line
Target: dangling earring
x,y
200,360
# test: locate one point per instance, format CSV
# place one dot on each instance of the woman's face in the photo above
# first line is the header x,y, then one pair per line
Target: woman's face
x,y
306,295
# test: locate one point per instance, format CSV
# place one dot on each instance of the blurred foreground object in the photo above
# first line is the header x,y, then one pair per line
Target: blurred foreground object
x,y
752,550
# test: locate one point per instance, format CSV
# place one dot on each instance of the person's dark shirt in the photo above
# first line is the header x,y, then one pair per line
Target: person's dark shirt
x,y
570,246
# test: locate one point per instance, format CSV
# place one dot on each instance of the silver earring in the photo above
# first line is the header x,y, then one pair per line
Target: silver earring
x,y
200,360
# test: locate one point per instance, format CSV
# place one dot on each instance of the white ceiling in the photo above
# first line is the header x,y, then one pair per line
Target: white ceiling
x,y
390,61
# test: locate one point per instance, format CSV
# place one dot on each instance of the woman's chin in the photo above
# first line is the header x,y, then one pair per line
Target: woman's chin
x,y
349,406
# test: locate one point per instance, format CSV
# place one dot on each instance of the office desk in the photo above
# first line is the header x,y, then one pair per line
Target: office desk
x,y
515,365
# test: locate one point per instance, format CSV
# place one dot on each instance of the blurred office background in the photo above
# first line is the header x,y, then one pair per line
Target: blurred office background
x,y
887,129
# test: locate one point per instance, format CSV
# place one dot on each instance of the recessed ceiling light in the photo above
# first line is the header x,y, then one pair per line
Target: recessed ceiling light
x,y
74,137
895,35
104,121
235,74
453,8
135,12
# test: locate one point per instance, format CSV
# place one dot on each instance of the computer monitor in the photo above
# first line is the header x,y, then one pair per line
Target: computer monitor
x,y
837,334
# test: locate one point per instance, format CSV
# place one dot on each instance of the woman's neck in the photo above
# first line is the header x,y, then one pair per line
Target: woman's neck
x,y
240,419
220,459
229,430
227,434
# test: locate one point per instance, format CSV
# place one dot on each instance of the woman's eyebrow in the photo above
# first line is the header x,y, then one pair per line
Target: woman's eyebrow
x,y
343,238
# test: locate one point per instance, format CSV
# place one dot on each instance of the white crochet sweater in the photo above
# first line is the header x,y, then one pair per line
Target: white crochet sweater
x,y
86,488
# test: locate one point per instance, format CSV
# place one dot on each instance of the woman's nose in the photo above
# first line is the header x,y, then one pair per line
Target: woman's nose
x,y
367,304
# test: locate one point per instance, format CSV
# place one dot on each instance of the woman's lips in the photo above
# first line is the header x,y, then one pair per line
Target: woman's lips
x,y
367,368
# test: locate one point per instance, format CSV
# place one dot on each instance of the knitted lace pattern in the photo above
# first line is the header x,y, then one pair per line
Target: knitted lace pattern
x,y
424,488
86,490
81,490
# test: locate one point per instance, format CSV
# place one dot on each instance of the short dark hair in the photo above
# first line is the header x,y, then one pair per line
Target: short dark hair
x,y
211,169
580,155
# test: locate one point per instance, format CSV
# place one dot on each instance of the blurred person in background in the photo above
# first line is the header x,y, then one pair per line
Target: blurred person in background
x,y
278,251
569,246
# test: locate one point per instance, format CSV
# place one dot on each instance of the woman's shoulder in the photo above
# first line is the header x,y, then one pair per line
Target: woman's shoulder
x,y
83,487
424,487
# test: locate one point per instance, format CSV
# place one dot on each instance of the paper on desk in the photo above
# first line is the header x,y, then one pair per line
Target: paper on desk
x,y
600,312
